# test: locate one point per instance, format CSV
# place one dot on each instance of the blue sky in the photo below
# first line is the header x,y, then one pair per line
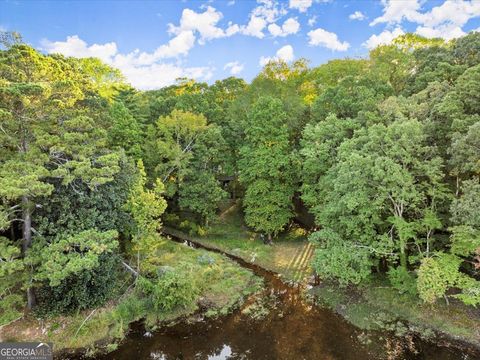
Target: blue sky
x,y
154,42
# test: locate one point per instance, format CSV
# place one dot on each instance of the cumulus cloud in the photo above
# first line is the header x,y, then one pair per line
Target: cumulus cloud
x,y
255,27
290,26
321,37
74,46
312,20
235,67
285,53
143,70
384,38
300,5
357,15
204,23
445,20
267,12
396,11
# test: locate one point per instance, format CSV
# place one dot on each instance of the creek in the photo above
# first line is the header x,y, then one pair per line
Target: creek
x,y
292,329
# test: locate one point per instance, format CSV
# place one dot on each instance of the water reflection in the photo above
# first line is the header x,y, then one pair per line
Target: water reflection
x,y
225,353
291,329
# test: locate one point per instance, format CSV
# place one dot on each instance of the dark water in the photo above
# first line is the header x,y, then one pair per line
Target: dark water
x,y
293,329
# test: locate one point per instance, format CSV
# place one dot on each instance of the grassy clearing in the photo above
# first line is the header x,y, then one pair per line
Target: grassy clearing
x,y
289,256
223,286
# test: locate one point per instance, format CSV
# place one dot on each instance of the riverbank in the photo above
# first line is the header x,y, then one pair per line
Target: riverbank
x,y
374,305
289,255
223,286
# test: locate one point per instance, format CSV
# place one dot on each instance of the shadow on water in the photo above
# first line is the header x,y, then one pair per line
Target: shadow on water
x,y
293,329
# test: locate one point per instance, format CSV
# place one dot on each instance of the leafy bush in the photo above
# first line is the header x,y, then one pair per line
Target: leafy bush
x,y
173,289
338,260
436,275
470,287
403,280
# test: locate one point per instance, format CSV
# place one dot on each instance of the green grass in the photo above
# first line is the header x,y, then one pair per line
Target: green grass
x,y
289,255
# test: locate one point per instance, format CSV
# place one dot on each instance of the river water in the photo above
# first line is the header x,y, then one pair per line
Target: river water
x,y
293,329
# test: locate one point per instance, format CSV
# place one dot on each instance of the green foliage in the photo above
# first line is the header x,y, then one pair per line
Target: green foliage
x,y
470,288
168,147
465,240
465,209
436,275
171,290
375,147
73,208
267,168
402,280
125,131
350,96
72,255
200,192
342,261
146,207
11,274
86,289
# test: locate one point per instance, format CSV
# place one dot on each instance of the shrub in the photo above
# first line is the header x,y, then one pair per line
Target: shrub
x,y
336,259
436,275
403,280
173,289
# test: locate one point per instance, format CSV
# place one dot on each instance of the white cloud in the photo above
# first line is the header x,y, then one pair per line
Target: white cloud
x,y
357,15
312,20
204,23
384,38
255,27
74,46
445,20
142,70
234,66
290,26
396,11
301,5
446,32
179,45
321,37
269,10
231,2
285,53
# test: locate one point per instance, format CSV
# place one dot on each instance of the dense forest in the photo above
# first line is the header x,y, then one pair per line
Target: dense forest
x,y
383,152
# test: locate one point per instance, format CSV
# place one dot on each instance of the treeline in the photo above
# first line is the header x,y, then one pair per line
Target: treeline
x,y
383,151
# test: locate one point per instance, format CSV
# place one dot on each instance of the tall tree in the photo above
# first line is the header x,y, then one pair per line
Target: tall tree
x,y
266,168
43,135
200,191
168,148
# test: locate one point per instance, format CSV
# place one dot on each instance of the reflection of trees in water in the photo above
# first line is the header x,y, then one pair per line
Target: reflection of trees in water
x,y
293,329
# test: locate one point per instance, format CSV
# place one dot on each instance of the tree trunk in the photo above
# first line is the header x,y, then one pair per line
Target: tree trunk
x,y
27,224
269,239
27,242
31,299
